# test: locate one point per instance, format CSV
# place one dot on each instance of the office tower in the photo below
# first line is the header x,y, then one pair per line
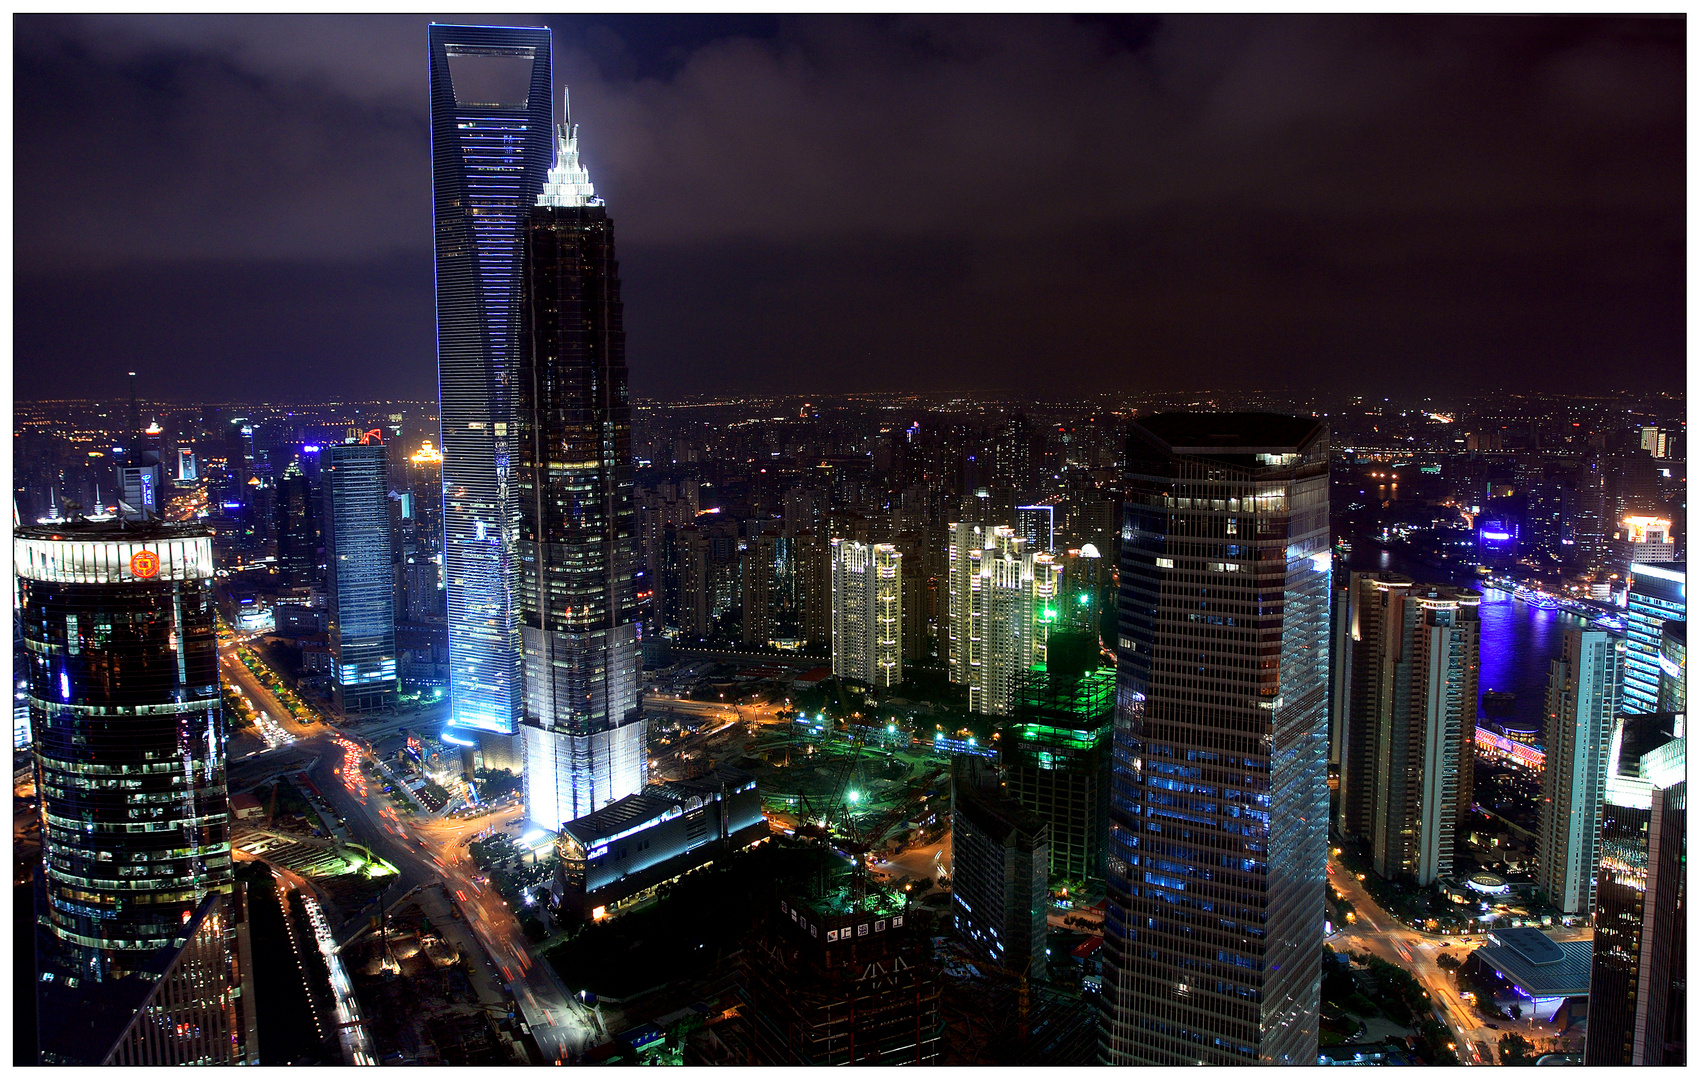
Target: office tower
x,y
1423,727
297,528
129,740
867,613
1364,664
1219,803
425,485
422,584
186,470
999,871
1657,594
1582,699
1002,606
1673,666
1057,755
1037,527
1643,538
762,565
1635,991
839,978
361,593
490,150
583,732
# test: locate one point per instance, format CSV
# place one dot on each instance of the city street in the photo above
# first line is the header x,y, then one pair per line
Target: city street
x,y
1380,934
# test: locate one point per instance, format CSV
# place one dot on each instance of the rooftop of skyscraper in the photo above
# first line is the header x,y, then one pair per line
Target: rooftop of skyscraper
x,y
1245,432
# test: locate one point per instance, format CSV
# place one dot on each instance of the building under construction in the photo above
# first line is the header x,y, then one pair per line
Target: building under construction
x,y
1057,758
842,978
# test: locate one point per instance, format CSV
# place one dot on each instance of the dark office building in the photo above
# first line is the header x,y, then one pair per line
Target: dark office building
x,y
296,528
839,979
491,111
1058,757
1218,812
1000,870
128,737
360,576
582,732
1637,984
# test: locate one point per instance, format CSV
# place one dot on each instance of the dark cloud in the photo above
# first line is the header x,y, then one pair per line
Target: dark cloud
x,y
1036,203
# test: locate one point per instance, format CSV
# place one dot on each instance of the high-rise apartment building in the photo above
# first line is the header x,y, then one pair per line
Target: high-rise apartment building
x,y
1219,798
1422,727
491,142
1582,701
1003,603
1365,662
999,871
1657,594
583,730
128,738
360,577
762,599
867,613
1636,984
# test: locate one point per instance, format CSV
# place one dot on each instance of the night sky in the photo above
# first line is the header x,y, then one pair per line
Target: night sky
x,y
240,207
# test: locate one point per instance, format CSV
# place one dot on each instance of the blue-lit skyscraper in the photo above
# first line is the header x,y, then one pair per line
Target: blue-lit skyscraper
x,y
1656,594
1219,787
361,578
491,114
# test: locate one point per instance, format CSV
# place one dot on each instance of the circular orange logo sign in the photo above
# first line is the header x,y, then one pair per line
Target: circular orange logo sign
x,y
144,564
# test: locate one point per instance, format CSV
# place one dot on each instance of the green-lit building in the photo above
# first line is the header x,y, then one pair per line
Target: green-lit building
x,y
1057,754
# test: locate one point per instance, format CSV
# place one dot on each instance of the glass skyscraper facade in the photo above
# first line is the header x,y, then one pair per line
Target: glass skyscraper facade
x,y
128,737
361,576
582,729
491,112
1219,794
1657,592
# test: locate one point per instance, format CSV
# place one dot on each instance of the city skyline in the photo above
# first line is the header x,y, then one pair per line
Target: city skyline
x,y
1330,714
1402,200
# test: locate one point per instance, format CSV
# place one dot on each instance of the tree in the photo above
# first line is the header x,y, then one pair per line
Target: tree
x,y
1514,1049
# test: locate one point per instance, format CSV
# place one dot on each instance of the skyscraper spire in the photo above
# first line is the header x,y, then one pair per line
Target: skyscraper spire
x,y
569,182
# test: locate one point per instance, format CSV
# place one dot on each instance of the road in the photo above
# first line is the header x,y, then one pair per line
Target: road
x,y
425,851
1380,934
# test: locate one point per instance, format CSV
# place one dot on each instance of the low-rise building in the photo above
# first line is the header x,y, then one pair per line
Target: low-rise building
x,y
621,852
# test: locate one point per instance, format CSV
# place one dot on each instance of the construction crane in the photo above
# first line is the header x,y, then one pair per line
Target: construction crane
x,y
1023,995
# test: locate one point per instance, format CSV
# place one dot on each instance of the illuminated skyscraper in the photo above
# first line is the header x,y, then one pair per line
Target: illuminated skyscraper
x,y
129,741
491,110
583,732
362,582
1657,593
1219,796
867,613
1003,602
1582,700
1673,666
1636,988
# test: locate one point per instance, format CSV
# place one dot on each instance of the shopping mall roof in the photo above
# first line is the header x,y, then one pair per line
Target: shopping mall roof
x,y
1538,965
